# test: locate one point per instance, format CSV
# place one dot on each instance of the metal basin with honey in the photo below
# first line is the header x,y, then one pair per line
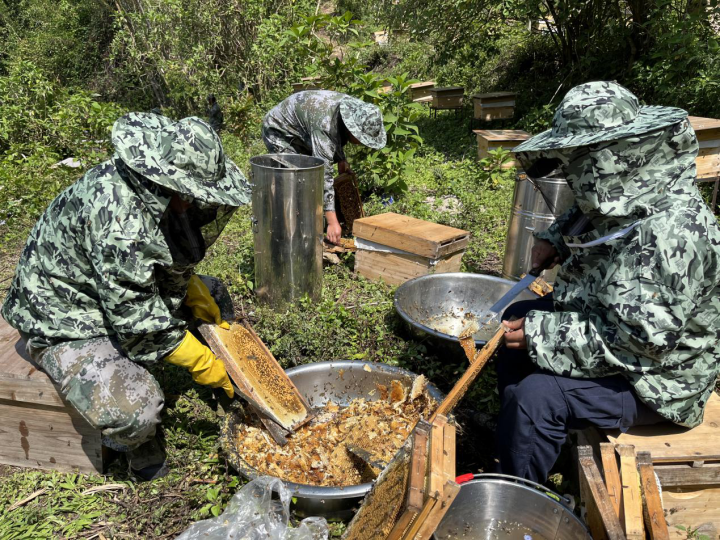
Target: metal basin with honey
x,y
340,382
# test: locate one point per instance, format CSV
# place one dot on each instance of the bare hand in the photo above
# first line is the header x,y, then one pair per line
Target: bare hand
x,y
344,167
515,334
542,251
334,231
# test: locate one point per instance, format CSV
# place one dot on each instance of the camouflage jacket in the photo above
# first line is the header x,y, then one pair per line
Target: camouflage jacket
x,y
97,264
645,305
309,123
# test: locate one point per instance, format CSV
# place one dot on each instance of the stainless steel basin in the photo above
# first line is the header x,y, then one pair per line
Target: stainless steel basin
x,y
496,506
438,304
341,382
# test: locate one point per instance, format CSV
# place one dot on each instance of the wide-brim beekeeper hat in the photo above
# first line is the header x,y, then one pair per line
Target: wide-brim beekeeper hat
x,y
597,112
185,157
364,121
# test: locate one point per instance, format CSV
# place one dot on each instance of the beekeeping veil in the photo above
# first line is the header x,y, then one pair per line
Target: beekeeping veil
x,y
184,158
622,161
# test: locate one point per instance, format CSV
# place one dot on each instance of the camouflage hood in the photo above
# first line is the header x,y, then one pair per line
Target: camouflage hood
x,y
185,157
626,178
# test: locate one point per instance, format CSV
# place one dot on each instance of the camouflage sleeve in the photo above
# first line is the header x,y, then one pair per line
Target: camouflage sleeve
x,y
123,255
326,148
637,323
553,234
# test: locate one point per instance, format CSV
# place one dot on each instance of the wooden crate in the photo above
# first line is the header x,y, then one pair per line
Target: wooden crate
x,y
417,247
448,97
687,463
494,106
492,139
37,427
422,90
708,135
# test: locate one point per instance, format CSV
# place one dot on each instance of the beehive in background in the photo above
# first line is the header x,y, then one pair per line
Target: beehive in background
x,y
492,139
494,106
306,83
447,97
397,248
708,135
422,90
381,37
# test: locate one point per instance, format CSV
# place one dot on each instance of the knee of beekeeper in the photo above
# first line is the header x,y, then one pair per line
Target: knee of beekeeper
x,y
537,394
220,294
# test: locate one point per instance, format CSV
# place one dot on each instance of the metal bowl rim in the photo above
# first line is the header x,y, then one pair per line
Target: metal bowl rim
x,y
360,490
277,169
429,277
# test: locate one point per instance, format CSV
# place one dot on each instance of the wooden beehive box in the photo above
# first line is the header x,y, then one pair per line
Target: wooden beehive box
x,y
492,139
421,90
448,97
494,106
687,463
708,135
37,427
306,83
397,248
381,37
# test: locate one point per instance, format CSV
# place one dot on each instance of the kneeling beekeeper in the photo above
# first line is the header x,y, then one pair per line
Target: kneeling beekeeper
x,y
105,284
630,334
320,123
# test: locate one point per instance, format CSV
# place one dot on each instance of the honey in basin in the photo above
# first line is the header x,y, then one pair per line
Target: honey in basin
x,y
317,452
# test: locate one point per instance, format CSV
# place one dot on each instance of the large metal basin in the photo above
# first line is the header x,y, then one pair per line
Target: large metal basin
x,y
438,304
496,506
341,382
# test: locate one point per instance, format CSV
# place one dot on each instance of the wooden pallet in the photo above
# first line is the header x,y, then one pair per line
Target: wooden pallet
x,y
37,427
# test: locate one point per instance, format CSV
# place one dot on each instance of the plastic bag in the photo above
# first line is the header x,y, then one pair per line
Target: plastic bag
x,y
252,514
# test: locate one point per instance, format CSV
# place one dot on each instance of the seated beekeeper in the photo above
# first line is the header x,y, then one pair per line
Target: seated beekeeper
x,y
630,334
320,123
105,285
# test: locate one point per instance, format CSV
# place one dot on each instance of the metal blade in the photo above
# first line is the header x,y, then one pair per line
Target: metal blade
x,y
495,310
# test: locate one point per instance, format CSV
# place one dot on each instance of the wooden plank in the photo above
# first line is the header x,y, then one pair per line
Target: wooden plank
x,y
692,507
436,476
418,470
632,498
41,437
601,518
672,475
672,443
449,435
512,135
699,123
382,506
413,235
652,504
461,387
612,476
43,393
438,511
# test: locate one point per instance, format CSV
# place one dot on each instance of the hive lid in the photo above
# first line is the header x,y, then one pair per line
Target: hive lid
x,y
458,89
423,84
492,95
410,234
502,134
699,123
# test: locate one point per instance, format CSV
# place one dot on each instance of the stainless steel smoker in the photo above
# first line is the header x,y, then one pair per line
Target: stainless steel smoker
x,y
287,197
533,211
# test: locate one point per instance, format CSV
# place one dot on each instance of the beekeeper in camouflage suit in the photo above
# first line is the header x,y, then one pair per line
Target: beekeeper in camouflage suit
x,y
320,123
105,285
630,335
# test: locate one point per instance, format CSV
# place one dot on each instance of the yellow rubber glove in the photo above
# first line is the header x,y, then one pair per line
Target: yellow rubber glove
x,y
203,365
202,304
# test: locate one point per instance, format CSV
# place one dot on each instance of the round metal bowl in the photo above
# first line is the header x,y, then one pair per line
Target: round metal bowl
x,y
341,382
438,304
499,506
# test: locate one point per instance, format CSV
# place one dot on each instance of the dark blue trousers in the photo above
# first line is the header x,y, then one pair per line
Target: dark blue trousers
x,y
538,408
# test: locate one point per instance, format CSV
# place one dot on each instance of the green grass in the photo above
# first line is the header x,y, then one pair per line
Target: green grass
x,y
354,319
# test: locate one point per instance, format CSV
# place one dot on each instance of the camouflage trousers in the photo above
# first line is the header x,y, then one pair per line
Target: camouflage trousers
x,y
114,394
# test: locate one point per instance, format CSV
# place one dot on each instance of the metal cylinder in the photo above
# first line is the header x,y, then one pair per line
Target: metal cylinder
x,y
532,213
287,196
